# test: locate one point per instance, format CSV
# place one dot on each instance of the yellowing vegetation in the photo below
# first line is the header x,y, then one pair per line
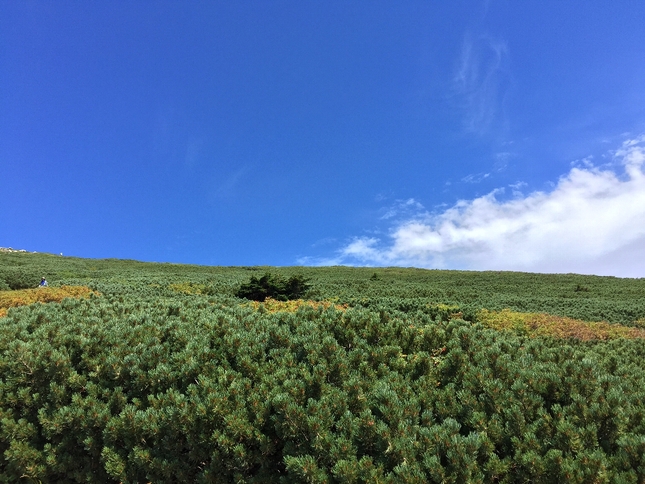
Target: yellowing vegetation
x,y
188,288
541,324
273,306
24,297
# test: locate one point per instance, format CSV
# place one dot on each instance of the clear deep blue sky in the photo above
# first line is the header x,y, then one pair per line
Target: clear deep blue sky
x,y
466,134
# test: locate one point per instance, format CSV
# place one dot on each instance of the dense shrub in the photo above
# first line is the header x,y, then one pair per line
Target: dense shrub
x,y
274,287
134,391
18,278
167,377
24,297
540,324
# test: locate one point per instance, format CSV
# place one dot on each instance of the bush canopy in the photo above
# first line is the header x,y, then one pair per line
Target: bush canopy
x,y
274,287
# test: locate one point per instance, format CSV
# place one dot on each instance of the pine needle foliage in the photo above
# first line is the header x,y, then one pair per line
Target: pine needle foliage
x,y
273,306
541,324
24,297
169,377
18,278
274,287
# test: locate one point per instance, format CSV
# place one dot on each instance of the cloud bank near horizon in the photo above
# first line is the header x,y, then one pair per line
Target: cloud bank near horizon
x,y
592,222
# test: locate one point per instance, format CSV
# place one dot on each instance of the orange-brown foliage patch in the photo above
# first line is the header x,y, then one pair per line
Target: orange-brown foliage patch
x,y
541,324
273,306
24,297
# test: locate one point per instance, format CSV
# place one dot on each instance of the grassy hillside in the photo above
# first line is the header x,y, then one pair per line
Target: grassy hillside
x,y
159,373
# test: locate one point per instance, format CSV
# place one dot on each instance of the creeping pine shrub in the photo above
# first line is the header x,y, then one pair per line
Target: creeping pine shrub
x,y
292,306
274,287
25,297
542,324
18,279
192,288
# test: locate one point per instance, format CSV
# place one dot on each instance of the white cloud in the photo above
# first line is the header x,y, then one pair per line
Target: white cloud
x,y
586,162
593,222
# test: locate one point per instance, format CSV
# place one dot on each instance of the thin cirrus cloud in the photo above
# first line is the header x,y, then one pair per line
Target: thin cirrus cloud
x,y
481,81
592,222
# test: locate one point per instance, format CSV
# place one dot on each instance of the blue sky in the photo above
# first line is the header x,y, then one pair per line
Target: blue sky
x,y
461,135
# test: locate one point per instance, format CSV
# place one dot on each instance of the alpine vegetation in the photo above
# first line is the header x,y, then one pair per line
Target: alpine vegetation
x,y
129,372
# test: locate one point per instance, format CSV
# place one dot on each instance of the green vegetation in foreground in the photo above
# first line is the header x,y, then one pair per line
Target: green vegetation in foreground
x,y
161,374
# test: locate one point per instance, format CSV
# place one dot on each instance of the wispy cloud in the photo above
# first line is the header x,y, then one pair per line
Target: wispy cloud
x,y
592,221
503,158
402,209
226,186
475,177
481,81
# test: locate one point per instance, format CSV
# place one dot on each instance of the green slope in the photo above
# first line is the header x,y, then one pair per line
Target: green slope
x,y
166,376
